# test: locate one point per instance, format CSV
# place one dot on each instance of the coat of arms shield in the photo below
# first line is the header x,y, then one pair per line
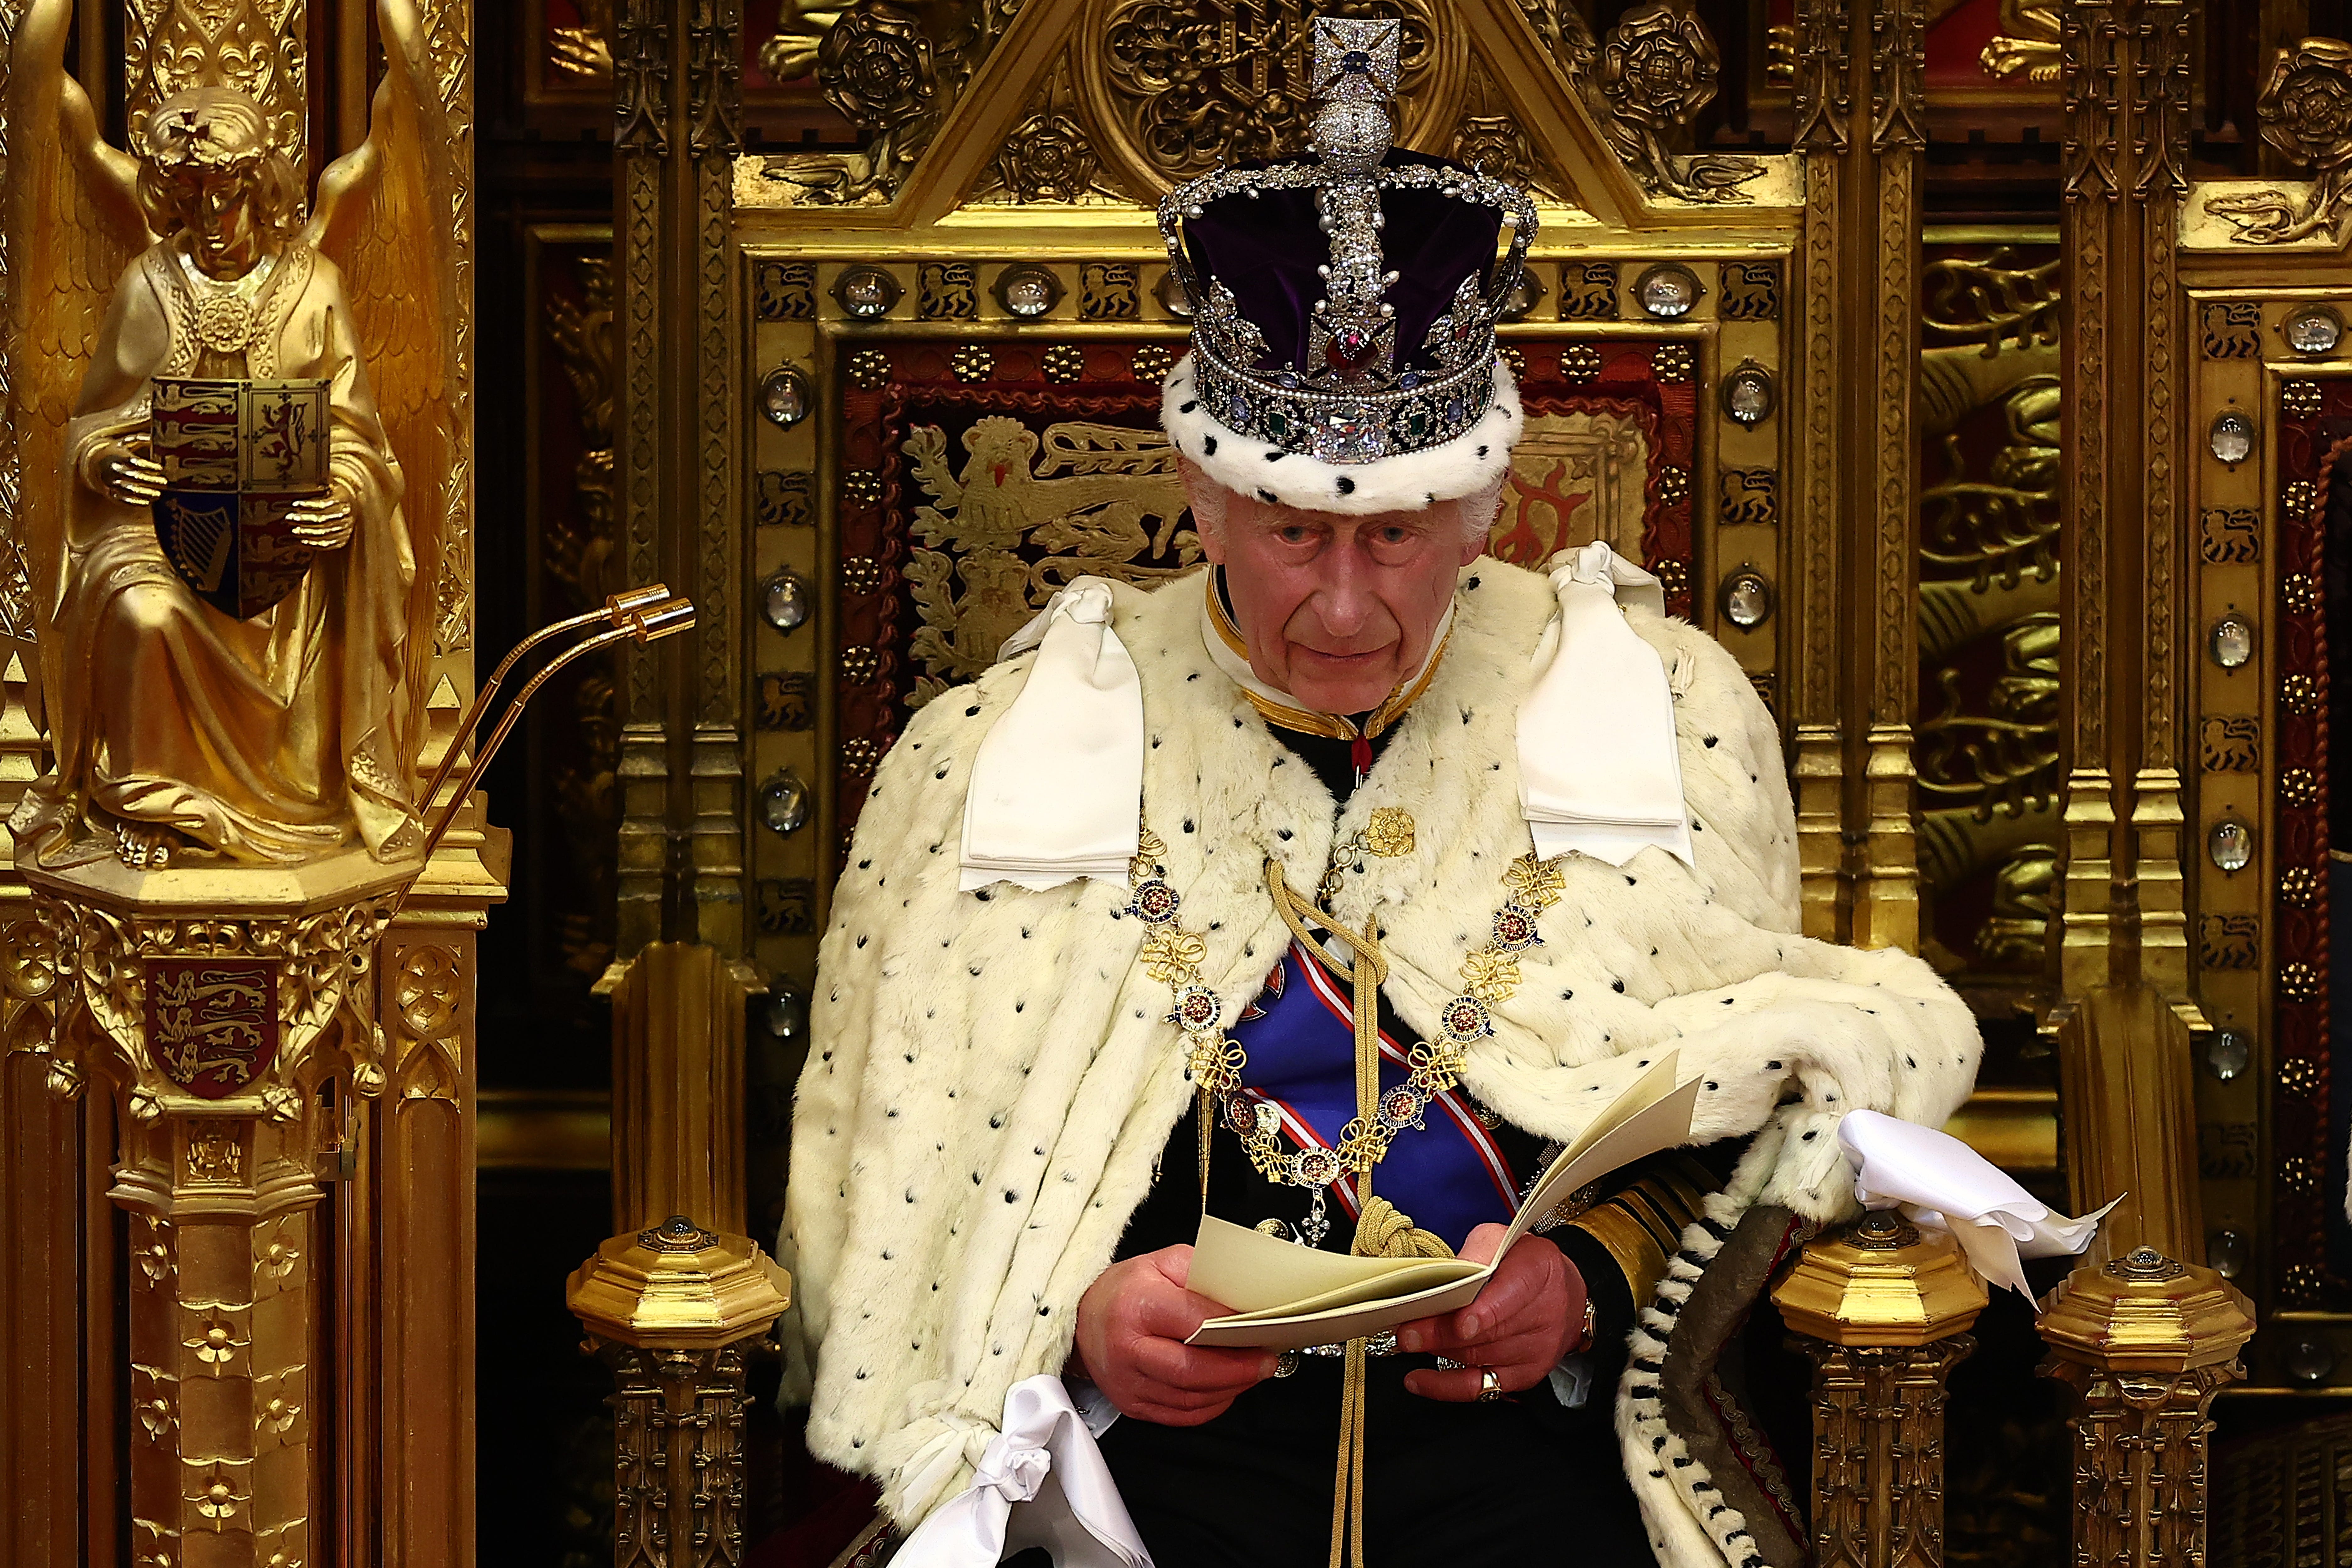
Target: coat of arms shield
x,y
236,456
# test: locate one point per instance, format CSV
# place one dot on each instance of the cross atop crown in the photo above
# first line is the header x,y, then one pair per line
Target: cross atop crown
x,y
1356,60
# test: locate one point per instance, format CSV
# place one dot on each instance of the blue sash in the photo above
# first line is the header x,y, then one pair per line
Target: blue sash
x,y
1301,1035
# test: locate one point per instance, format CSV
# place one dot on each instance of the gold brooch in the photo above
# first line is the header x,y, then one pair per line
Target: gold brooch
x,y
1388,835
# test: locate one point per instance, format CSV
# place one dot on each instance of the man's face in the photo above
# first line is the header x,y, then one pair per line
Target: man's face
x,y
225,233
1337,610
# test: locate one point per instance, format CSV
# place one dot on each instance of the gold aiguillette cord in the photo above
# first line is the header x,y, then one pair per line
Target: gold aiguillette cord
x,y
1365,969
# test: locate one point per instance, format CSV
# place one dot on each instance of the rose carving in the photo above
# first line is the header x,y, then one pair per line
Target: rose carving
x,y
2306,107
1493,143
2305,112
876,66
891,67
1046,159
1660,67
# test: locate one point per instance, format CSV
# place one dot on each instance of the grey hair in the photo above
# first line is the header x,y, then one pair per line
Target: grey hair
x,y
1480,510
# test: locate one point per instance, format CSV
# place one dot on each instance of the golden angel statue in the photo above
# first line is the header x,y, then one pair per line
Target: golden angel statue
x,y
183,721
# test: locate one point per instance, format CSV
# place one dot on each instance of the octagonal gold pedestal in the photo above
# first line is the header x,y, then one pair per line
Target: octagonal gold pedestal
x,y
2143,1343
671,1310
1882,1311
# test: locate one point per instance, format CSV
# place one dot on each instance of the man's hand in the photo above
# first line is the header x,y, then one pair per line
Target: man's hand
x,y
322,522
126,473
1132,1322
1530,1314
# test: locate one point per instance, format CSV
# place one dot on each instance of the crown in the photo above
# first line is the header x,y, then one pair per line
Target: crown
x,y
1391,359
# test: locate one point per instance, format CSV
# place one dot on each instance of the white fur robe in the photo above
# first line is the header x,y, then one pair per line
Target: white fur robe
x,y
992,1075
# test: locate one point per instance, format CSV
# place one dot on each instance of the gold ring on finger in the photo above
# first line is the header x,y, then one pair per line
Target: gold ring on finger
x,y
1490,1387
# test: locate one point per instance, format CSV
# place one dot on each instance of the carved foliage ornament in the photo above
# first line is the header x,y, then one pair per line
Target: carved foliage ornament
x,y
2305,111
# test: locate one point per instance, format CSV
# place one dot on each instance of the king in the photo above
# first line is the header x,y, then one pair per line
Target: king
x,y
1324,890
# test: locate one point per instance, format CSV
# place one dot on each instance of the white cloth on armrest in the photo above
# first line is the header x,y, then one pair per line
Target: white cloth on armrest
x,y
1940,1183
1039,1482
1598,769
1057,788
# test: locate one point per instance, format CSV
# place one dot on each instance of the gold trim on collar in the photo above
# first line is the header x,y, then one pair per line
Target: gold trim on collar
x,y
1305,721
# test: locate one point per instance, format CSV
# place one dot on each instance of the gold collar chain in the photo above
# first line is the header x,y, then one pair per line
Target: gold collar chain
x,y
1215,1060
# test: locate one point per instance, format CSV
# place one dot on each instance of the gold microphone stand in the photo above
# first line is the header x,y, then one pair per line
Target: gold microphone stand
x,y
644,615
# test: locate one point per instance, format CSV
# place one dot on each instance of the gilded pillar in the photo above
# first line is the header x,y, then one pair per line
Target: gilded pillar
x,y
1887,894
1883,1313
1858,527
672,1310
232,1045
2126,1080
2142,1343
2124,173
716,804
676,78
2161,86
1824,100
405,1300
46,1182
641,156
680,990
225,1234
670,1307
678,1015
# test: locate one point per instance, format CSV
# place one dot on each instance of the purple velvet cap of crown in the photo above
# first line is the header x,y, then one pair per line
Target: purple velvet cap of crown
x,y
1265,248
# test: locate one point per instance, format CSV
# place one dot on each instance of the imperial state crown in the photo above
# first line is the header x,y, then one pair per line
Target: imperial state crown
x,y
1343,342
